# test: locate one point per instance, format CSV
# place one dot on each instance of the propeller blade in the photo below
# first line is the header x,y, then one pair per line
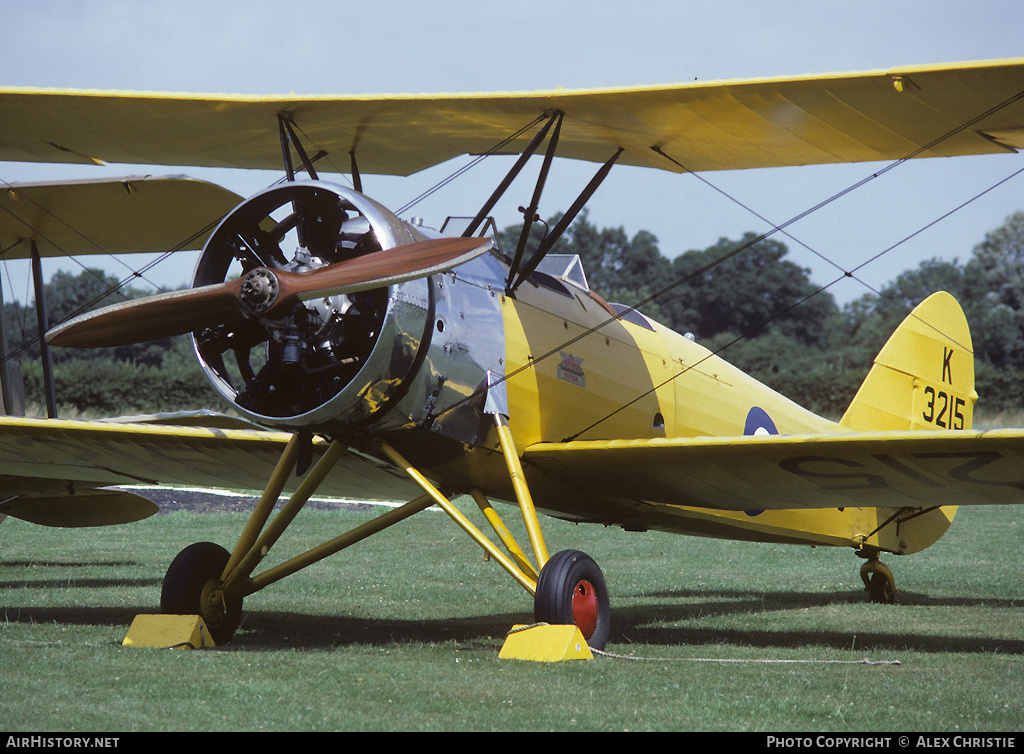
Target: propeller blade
x,y
150,318
381,268
262,292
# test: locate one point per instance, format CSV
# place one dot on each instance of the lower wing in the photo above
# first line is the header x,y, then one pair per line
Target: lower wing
x,y
861,470
55,472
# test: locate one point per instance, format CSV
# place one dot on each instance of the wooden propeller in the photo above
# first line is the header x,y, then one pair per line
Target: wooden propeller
x,y
261,292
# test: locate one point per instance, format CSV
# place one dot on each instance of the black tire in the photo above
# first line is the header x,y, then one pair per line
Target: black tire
x,y
190,572
880,588
572,574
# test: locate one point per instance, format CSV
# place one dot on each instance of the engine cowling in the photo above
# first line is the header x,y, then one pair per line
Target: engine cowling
x,y
329,362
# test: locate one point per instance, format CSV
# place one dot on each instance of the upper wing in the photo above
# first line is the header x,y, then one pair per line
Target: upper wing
x,y
44,463
877,115
111,216
776,472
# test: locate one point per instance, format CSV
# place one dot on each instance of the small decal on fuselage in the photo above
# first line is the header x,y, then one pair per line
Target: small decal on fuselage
x,y
571,371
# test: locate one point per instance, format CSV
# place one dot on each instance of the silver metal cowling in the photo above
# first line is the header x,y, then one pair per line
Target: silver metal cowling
x,y
431,350
405,323
467,341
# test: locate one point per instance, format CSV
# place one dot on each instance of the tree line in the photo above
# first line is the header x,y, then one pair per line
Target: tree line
x,y
160,375
740,297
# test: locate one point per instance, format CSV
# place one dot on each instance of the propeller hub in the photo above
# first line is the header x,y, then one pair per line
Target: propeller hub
x,y
259,291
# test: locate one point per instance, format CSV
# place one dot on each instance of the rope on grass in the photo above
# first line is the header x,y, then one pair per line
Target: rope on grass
x,y
737,660
734,660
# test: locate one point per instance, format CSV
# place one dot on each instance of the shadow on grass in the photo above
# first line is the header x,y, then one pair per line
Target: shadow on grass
x,y
270,631
665,625
69,579
67,564
68,616
78,583
650,625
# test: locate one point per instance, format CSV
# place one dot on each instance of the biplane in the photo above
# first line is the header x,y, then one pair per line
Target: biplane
x,y
372,357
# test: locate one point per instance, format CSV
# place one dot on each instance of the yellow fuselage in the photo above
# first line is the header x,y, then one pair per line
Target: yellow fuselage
x,y
575,373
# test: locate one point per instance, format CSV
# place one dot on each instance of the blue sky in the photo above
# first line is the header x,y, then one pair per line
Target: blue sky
x,y
318,47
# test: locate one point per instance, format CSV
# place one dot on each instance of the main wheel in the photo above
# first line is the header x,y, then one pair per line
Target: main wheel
x,y
192,586
571,590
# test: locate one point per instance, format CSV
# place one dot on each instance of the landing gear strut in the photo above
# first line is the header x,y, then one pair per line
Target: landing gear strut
x,y
206,580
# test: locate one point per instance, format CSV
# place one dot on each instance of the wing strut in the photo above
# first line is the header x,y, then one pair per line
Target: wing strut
x,y
44,348
288,140
7,366
561,225
531,212
357,179
520,163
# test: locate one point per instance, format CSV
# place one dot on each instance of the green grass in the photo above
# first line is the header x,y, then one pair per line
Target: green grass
x,y
402,632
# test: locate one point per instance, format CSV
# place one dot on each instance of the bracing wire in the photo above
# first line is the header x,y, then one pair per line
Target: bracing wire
x,y
140,273
790,308
44,210
781,228
136,274
471,164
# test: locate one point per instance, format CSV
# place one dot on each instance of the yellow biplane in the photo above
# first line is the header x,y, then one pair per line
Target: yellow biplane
x,y
375,358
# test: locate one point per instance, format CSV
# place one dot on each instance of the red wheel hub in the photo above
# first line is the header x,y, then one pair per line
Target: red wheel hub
x,y
584,608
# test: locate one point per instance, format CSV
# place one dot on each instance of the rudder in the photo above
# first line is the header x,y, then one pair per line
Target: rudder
x,y
923,378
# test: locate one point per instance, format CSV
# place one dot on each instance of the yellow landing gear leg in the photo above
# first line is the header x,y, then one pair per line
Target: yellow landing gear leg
x,y
571,605
518,566
570,596
515,470
207,582
526,580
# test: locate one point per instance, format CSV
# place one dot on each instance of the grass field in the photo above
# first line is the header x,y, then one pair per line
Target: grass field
x,y
402,632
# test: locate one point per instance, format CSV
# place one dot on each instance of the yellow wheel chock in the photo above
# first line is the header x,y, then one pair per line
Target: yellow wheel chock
x,y
545,642
168,632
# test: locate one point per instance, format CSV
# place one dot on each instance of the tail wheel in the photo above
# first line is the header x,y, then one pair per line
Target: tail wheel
x,y
879,582
571,590
192,586
881,587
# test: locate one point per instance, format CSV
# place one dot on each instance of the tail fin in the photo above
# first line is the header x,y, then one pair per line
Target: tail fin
x,y
923,378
